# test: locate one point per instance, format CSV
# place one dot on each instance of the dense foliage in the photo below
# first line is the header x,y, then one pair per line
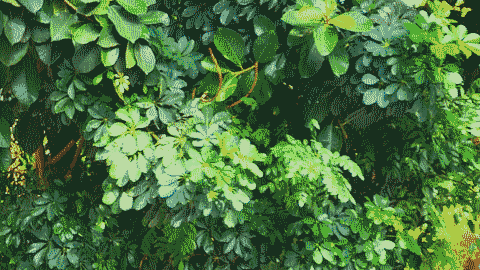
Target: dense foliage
x,y
234,148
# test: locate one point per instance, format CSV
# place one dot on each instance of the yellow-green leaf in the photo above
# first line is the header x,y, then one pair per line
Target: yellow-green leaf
x,y
130,56
325,39
353,21
228,87
303,17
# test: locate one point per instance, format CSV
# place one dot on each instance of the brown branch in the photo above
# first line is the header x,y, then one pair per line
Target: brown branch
x,y
219,75
251,89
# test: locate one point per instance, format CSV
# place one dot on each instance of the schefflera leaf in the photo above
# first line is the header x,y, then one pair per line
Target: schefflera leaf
x,y
126,202
109,197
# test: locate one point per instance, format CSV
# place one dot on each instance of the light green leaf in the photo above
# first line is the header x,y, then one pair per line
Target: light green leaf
x,y
326,39
145,58
353,21
126,202
229,85
305,17
110,196
130,30
136,7
117,129
317,256
86,33
109,57
339,59
230,219
155,17
119,166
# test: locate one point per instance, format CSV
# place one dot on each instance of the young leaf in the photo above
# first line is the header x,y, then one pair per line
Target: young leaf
x,y
326,39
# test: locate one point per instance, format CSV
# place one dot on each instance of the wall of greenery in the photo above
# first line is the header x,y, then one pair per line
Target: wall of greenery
x,y
239,134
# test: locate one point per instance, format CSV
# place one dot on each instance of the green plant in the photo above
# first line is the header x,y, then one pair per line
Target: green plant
x,y
203,161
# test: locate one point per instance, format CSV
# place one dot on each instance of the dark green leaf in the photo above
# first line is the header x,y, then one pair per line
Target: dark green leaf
x,y
230,44
265,47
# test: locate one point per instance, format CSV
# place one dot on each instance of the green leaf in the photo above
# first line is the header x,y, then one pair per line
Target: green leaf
x,y
109,57
86,33
307,16
326,39
117,129
327,254
229,85
417,34
230,44
11,55
110,196
145,58
32,5
130,56
353,21
35,247
136,7
26,89
317,256
155,17
106,39
126,27
14,30
60,25
86,58
265,47
59,107
339,59
262,24
126,202
331,138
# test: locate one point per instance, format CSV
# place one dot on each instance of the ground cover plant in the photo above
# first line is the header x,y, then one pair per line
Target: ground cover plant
x,y
238,134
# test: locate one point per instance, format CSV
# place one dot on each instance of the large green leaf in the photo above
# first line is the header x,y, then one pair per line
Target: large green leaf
x,y
353,21
229,85
310,59
106,39
86,58
11,55
331,138
262,24
14,30
126,202
125,24
339,59
155,17
32,5
86,33
109,57
27,87
326,38
230,44
145,58
304,17
136,7
265,47
60,25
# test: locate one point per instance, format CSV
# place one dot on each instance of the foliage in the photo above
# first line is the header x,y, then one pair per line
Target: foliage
x,y
203,164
